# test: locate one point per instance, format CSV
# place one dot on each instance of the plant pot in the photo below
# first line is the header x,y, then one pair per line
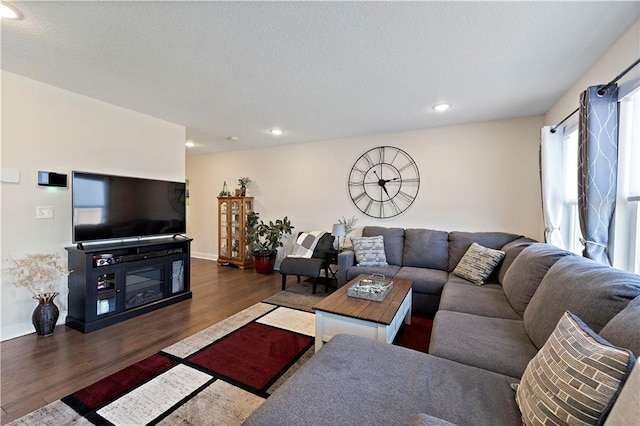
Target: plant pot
x,y
45,315
264,262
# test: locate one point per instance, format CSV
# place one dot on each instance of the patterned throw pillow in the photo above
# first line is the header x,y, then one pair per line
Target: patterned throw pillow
x,y
478,263
369,251
575,377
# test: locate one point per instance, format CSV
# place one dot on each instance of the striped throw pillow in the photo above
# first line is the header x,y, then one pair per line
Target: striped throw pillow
x,y
478,263
575,377
369,251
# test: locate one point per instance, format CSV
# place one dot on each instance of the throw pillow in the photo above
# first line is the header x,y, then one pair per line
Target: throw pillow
x,y
369,251
575,377
478,263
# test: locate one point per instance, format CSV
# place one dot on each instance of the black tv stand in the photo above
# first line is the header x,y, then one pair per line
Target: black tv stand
x,y
113,282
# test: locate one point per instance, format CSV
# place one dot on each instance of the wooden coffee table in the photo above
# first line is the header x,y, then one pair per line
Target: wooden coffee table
x,y
340,313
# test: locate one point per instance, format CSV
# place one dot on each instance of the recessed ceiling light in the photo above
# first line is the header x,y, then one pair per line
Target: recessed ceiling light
x,y
441,107
232,138
9,12
190,144
276,132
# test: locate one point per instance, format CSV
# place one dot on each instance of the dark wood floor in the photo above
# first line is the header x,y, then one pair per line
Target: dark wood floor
x,y
40,370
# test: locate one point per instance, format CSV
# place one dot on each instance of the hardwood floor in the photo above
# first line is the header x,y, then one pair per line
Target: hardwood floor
x,y
39,370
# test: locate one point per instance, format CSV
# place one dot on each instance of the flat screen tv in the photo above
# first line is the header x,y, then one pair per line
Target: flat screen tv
x,y
107,207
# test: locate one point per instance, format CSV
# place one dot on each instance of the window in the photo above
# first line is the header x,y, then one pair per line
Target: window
x,y
571,219
625,253
626,249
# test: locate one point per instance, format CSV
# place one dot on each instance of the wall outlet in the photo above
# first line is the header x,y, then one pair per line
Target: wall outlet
x,y
44,212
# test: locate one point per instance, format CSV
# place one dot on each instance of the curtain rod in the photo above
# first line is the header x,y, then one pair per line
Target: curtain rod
x,y
601,92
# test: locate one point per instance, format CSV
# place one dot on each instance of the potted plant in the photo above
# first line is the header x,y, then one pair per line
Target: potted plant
x,y
40,273
264,239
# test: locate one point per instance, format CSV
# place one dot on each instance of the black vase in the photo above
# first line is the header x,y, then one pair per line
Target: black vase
x,y
45,315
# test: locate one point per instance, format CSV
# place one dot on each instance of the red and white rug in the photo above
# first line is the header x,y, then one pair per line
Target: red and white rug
x,y
218,376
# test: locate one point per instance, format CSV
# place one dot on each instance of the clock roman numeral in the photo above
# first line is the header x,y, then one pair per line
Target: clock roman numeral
x,y
368,160
406,166
405,197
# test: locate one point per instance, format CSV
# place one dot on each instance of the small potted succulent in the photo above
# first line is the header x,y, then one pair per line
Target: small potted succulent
x,y
264,239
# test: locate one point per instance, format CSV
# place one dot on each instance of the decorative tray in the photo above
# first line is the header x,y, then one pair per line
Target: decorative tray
x,y
376,287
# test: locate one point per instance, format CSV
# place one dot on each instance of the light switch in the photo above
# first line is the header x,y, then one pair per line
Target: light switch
x,y
44,212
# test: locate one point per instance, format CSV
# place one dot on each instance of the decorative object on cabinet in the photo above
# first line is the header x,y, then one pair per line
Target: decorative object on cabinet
x,y
233,249
384,182
40,274
114,282
242,182
225,190
263,240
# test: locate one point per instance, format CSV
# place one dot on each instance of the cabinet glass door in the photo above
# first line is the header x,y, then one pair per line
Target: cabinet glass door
x,y
106,289
224,230
177,276
248,207
235,228
143,285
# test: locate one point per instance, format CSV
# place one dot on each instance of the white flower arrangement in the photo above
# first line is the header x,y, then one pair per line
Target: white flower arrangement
x,y
39,273
349,224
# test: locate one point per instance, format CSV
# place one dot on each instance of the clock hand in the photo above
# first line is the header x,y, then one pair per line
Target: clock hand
x,y
385,191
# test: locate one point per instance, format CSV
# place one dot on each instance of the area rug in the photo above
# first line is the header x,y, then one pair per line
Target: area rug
x,y
217,376
298,296
416,335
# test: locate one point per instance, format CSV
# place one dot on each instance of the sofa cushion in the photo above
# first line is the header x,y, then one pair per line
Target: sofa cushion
x,y
592,291
575,377
369,251
357,381
459,242
393,241
626,409
624,329
511,251
429,281
522,280
388,271
487,300
478,263
494,344
426,248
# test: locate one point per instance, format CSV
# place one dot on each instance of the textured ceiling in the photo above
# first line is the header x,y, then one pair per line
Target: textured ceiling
x,y
319,70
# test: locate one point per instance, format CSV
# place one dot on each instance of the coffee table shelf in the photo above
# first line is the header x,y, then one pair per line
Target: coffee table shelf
x,y
340,313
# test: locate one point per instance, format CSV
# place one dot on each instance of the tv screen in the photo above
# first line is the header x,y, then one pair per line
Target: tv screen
x,y
117,207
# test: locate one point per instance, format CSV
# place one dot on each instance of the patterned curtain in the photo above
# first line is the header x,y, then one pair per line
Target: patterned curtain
x,y
597,170
552,180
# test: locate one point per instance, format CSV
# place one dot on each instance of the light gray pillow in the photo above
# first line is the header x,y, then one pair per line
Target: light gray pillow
x,y
478,263
369,251
574,379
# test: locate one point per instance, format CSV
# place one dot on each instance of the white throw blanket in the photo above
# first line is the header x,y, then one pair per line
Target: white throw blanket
x,y
306,244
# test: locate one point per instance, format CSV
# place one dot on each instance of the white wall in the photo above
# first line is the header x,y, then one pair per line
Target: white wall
x,y
46,128
624,52
476,177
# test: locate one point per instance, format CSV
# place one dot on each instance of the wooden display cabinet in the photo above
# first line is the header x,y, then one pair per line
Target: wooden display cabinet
x,y
232,219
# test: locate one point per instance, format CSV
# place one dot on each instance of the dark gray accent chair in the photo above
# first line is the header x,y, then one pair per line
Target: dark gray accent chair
x,y
308,267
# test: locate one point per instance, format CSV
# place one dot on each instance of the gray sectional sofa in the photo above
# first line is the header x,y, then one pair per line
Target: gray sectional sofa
x,y
427,257
483,337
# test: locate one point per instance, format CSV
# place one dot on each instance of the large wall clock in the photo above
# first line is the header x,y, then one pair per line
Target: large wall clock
x,y
384,182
